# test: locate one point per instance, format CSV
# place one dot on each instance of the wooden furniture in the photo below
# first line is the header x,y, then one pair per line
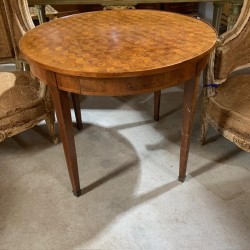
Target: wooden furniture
x,y
184,8
218,6
109,58
24,102
114,4
51,13
226,96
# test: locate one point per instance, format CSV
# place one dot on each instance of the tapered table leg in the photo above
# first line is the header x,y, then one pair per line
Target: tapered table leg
x,y
157,103
61,102
77,109
190,95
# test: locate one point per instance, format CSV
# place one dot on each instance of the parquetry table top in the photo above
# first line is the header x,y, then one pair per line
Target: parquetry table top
x,y
117,43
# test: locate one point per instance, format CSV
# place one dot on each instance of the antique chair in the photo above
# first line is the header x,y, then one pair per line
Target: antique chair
x,y
24,102
226,103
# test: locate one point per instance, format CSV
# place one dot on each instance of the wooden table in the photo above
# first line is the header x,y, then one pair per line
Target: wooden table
x,y
100,53
218,5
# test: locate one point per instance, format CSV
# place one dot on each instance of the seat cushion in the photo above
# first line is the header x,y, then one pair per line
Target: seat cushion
x,y
229,110
20,104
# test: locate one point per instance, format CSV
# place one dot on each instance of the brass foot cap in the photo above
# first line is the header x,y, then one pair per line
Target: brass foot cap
x,y
156,117
79,126
182,179
77,194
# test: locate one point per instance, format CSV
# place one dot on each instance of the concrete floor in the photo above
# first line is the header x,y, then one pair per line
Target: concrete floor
x,y
128,168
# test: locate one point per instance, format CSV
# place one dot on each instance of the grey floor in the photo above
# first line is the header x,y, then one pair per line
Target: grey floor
x,y
128,167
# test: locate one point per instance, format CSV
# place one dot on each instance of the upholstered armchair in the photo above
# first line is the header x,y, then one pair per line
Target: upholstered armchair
x,y
226,103
24,101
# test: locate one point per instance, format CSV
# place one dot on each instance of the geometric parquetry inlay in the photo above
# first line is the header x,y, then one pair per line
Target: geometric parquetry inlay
x,y
117,42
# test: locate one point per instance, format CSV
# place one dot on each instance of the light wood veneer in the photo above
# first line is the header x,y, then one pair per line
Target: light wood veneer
x,y
118,53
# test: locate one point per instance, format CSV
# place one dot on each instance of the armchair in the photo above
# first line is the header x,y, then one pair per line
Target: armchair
x,y
226,102
24,102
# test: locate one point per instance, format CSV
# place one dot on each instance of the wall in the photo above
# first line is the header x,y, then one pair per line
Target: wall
x,y
206,10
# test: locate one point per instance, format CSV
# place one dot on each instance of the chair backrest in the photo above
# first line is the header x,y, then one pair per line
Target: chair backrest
x,y
15,20
7,53
233,51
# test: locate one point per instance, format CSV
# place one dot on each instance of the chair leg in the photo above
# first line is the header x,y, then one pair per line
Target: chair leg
x,y
157,102
77,109
50,121
204,129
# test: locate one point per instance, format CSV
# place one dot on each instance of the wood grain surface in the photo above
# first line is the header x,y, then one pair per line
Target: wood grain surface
x,y
115,2
117,43
119,53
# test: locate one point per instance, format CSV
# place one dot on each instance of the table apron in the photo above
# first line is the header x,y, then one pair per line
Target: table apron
x,y
118,86
44,75
133,85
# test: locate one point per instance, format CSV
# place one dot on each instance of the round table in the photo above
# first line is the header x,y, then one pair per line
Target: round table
x,y
121,52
